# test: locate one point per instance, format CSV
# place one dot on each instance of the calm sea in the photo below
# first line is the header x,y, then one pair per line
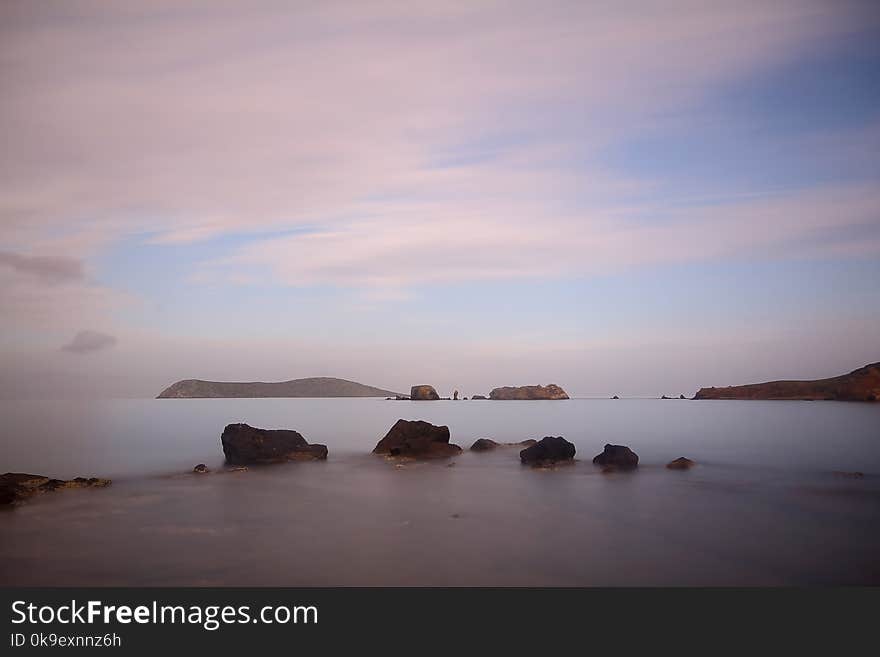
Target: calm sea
x,y
767,505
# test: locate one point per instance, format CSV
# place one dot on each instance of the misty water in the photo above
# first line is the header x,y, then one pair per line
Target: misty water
x,y
767,504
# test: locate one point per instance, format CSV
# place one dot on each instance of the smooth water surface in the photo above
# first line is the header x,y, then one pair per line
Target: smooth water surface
x,y
769,503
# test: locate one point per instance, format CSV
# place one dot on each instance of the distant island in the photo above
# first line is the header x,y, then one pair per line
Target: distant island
x,y
312,387
550,391
862,384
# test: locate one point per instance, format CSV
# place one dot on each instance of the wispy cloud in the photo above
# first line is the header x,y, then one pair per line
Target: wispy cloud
x,y
45,269
85,342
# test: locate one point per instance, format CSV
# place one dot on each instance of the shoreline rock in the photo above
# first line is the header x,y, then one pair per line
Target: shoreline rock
x,y
16,486
550,391
246,445
417,439
548,451
681,463
617,456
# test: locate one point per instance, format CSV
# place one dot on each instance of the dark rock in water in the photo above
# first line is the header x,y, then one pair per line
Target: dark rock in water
x,y
477,397
851,475
615,397
681,463
423,393
15,486
665,397
619,456
464,398
681,397
487,444
550,391
244,444
201,468
548,450
416,438
455,396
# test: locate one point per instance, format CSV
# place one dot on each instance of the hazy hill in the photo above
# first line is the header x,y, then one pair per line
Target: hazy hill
x,y
311,387
862,384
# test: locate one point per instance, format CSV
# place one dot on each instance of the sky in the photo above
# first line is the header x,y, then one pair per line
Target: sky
x,y
632,198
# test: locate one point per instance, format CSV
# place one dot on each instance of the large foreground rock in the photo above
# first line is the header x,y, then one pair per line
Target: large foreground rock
x,y
547,451
16,486
487,444
617,456
550,391
418,439
423,393
244,445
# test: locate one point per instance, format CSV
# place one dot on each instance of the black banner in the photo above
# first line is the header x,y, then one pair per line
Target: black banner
x,y
135,621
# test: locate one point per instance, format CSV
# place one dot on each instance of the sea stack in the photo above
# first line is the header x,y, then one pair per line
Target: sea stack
x,y
423,393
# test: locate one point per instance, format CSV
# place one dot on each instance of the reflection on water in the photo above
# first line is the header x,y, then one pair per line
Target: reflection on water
x,y
764,506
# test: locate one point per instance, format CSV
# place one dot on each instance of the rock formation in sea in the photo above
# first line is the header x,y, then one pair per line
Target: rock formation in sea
x,y
201,468
16,486
550,391
423,393
617,456
487,444
312,387
244,445
547,451
478,397
418,439
681,463
455,395
862,384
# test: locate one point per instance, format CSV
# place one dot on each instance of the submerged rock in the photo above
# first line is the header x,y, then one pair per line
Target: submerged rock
x,y
487,444
615,397
548,450
618,456
550,391
244,444
201,468
15,486
681,463
417,438
423,393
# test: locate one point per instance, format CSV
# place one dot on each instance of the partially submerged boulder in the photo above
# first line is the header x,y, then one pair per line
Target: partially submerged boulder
x,y
487,444
550,391
547,451
478,397
618,456
423,393
15,486
201,468
244,444
418,439
681,463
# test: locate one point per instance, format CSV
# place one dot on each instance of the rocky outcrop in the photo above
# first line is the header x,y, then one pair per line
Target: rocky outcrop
x,y
423,393
16,486
681,463
455,396
550,391
487,444
244,445
201,468
322,386
478,397
547,451
416,439
862,384
617,456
